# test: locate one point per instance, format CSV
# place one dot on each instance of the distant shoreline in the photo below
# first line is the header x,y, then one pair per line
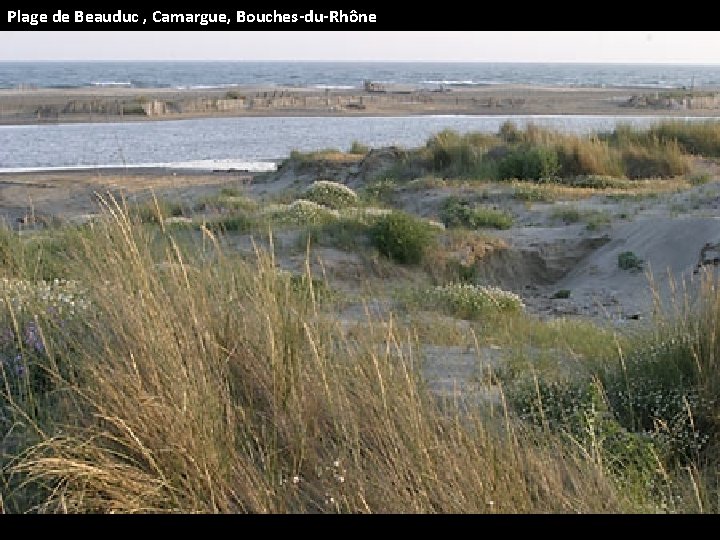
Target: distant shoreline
x,y
120,104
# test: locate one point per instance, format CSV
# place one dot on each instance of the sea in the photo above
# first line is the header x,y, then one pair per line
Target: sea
x,y
255,144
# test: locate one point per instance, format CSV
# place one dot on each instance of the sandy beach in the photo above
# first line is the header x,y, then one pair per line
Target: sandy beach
x,y
30,106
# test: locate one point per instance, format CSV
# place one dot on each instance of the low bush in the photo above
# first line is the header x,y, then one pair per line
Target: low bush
x,y
402,237
458,213
527,162
627,260
468,301
331,194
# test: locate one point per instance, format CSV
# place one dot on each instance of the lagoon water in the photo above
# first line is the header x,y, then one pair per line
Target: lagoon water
x,y
246,143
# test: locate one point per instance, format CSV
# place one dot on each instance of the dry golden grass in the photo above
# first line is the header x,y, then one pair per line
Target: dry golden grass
x,y
212,385
330,155
531,191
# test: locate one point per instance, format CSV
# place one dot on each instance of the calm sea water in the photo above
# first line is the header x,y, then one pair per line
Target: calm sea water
x,y
346,74
244,143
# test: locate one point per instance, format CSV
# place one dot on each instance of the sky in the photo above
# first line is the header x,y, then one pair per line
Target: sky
x,y
547,46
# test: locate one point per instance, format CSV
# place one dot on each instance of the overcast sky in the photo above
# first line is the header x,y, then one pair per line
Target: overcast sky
x,y
623,47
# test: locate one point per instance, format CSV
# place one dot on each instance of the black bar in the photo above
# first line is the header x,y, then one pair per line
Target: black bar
x,y
455,16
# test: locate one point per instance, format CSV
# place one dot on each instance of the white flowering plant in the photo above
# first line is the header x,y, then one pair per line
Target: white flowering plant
x,y
299,212
59,296
29,309
470,301
303,212
331,194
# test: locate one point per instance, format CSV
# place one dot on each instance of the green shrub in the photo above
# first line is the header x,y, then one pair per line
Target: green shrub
x,y
331,194
382,190
530,163
656,391
627,260
562,293
402,237
649,401
579,409
458,213
597,220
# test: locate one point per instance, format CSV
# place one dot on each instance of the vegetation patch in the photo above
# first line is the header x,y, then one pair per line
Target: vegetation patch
x,y
456,212
238,222
156,210
332,155
541,155
402,237
468,301
567,214
526,162
381,191
331,194
359,148
347,233
627,260
300,212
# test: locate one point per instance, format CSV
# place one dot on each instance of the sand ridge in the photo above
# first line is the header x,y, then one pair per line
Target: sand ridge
x,y
98,104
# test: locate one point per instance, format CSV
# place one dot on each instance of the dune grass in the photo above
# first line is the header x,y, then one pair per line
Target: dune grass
x,y
190,379
205,384
699,138
327,155
543,155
